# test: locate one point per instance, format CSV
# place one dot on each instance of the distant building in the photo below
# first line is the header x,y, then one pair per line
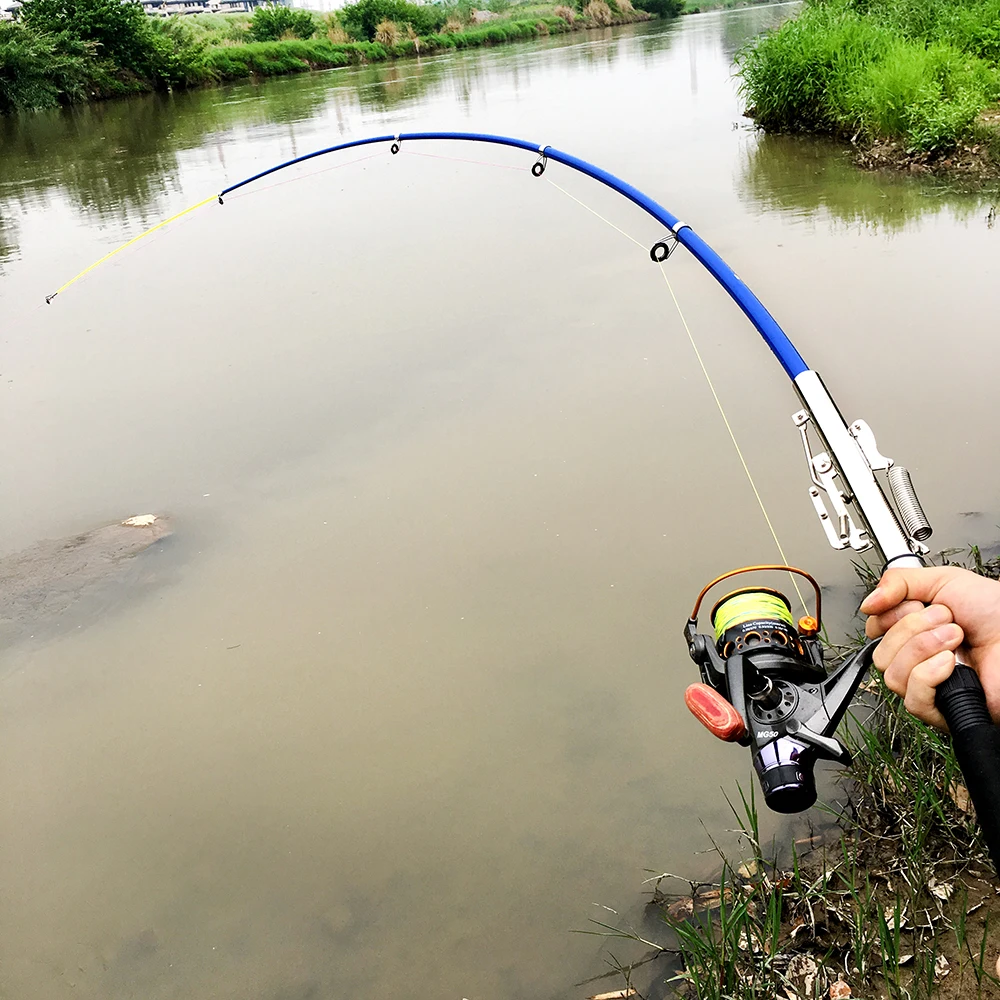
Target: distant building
x,y
10,11
236,6
165,8
184,7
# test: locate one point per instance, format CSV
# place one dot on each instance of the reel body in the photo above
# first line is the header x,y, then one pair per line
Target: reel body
x,y
765,686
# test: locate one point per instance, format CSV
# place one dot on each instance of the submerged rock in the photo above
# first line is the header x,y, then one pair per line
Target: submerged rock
x,y
76,577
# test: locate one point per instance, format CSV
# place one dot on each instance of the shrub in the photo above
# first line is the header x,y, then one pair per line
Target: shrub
x,y
598,12
662,8
271,22
177,56
35,72
566,13
118,28
334,29
361,19
387,33
541,27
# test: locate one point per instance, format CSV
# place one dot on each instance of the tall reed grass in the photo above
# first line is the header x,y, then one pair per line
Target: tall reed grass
x,y
918,72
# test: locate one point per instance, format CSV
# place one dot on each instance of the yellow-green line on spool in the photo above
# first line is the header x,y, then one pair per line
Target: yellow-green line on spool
x,y
751,604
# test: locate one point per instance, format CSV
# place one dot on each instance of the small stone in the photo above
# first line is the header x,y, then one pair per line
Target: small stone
x,y
139,521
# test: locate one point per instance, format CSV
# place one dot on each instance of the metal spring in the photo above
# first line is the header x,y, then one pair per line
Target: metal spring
x,y
914,519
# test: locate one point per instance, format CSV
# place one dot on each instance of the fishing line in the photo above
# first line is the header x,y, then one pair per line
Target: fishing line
x,y
462,159
593,212
732,435
302,177
187,211
708,379
125,246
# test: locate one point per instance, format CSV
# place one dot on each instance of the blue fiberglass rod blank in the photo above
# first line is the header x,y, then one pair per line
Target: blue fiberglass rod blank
x,y
765,324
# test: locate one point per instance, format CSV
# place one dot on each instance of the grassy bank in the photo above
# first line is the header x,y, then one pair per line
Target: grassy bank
x,y
897,900
65,51
920,76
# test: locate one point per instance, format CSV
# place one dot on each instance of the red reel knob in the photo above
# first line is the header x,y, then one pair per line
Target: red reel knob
x,y
715,713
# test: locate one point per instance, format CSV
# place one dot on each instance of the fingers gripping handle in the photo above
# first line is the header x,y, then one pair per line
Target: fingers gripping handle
x,y
976,740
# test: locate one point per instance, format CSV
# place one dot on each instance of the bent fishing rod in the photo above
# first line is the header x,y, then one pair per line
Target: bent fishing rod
x,y
764,682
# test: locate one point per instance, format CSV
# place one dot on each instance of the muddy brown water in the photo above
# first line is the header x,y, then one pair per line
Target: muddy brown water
x,y
400,700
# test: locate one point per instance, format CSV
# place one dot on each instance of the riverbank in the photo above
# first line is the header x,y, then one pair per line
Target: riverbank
x,y
909,87
109,49
896,897
703,6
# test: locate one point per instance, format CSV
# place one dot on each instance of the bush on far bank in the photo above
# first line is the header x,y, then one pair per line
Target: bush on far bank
x,y
917,73
272,22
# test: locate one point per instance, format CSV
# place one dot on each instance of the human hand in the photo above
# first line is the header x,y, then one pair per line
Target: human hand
x,y
918,651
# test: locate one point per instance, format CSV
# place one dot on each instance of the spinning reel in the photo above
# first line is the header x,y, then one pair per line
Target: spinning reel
x,y
765,686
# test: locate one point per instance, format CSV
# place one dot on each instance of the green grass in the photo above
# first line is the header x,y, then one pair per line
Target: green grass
x,y
916,72
236,62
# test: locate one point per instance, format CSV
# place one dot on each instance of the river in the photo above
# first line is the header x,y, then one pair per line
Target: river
x,y
398,707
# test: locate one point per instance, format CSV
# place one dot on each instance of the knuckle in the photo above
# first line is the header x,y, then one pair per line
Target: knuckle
x,y
925,645
895,683
915,702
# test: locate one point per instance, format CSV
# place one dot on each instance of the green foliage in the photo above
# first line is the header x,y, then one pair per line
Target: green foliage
x,y
928,96
122,54
219,29
36,72
177,56
236,62
360,19
916,72
119,30
662,8
271,22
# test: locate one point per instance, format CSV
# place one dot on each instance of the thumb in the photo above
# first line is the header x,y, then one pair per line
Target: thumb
x,y
898,585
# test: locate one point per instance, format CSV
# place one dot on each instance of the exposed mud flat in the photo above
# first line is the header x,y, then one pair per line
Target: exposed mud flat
x,y
63,583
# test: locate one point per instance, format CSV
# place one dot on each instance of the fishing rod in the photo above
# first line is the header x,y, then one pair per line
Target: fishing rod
x,y
764,681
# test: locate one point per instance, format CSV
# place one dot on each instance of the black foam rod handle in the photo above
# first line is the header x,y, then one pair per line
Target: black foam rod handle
x,y
976,740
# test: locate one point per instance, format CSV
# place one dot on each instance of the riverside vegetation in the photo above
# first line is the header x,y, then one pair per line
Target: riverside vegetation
x,y
896,899
65,51
909,82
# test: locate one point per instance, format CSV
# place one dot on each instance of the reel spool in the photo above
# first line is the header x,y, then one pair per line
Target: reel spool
x,y
765,685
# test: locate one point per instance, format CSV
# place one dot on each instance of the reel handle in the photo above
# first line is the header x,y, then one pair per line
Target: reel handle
x,y
716,714
976,740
